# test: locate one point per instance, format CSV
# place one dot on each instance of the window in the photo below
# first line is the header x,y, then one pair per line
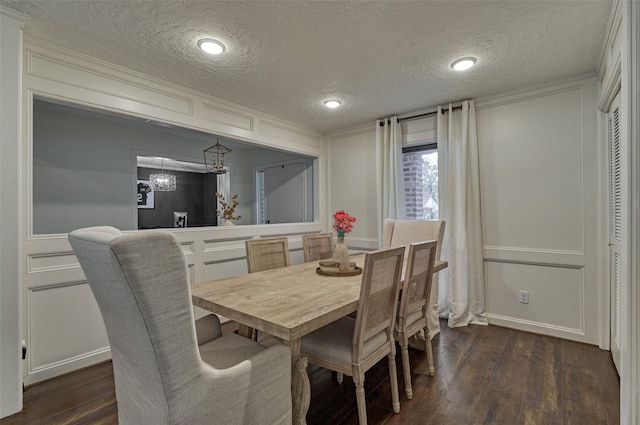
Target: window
x,y
420,169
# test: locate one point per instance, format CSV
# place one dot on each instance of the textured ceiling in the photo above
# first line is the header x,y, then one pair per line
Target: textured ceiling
x,y
285,57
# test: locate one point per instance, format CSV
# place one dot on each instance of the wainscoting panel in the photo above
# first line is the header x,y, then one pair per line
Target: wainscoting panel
x,y
283,132
65,326
224,116
42,262
72,77
40,65
556,295
532,173
539,162
62,323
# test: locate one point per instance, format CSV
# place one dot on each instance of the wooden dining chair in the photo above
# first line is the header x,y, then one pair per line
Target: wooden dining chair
x,y
352,346
414,304
265,254
317,246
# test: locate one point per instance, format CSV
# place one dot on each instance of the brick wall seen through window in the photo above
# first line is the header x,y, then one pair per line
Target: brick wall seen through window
x,y
420,169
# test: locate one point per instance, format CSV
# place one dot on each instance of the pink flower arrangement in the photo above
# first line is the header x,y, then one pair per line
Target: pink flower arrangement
x,y
343,223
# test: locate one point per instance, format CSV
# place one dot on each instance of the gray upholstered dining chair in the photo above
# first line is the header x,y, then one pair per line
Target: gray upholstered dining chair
x,y
404,232
414,301
167,369
352,346
317,246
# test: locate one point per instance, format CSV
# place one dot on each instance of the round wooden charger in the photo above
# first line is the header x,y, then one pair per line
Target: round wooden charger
x,y
351,272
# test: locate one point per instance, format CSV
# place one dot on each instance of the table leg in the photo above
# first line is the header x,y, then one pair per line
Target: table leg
x,y
300,387
245,331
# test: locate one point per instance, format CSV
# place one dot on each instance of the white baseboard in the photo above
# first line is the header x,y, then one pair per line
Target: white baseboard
x,y
540,328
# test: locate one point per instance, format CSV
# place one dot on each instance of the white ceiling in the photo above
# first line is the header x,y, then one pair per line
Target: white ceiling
x,y
380,57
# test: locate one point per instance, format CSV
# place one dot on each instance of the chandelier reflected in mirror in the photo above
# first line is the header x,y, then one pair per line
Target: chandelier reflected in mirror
x,y
217,158
162,182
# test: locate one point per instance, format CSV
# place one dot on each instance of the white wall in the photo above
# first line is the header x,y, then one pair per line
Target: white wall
x,y
540,189
10,259
352,183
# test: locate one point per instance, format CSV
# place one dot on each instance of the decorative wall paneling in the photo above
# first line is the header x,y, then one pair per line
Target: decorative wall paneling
x,y
539,166
69,76
61,323
63,326
539,162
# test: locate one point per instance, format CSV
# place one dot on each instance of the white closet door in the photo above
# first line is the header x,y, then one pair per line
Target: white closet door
x,y
618,223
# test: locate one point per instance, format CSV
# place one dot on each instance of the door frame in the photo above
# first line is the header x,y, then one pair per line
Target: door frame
x,y
257,185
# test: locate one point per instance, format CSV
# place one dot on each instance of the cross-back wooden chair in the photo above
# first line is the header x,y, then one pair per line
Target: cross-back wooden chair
x,y
414,304
352,346
318,246
265,254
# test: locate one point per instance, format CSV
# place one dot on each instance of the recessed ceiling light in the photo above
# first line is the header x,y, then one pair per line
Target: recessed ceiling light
x,y
464,63
333,103
211,46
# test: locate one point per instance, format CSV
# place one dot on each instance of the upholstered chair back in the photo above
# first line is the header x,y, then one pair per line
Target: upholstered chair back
x,y
140,283
405,232
169,369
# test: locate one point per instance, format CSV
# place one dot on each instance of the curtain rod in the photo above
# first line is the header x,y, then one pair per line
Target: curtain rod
x,y
428,114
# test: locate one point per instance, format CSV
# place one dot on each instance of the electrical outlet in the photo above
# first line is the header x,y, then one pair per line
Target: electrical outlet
x,y
524,297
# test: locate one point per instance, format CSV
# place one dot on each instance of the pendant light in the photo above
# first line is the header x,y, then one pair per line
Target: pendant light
x,y
217,158
162,182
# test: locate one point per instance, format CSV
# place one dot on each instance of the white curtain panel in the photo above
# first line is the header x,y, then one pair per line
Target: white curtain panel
x,y
461,297
390,177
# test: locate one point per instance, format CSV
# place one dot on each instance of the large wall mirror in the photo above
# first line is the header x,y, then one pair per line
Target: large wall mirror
x,y
92,168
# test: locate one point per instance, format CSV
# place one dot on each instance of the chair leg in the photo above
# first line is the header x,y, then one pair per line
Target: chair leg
x,y
339,377
429,350
406,367
393,379
362,406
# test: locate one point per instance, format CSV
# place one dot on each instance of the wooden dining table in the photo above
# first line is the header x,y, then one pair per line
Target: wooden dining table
x,y
287,303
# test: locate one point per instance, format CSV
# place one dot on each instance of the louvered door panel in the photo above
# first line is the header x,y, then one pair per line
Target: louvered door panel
x,y
617,226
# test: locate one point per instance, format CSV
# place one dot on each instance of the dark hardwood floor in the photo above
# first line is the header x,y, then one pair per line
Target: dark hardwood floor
x,y
484,375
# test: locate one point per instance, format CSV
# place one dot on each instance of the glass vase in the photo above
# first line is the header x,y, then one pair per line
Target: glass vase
x,y
341,254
